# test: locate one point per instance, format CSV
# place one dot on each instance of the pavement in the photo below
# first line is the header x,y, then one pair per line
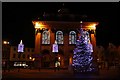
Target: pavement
x,y
62,74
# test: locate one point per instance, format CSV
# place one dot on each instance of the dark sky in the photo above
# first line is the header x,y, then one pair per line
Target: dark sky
x,y
17,19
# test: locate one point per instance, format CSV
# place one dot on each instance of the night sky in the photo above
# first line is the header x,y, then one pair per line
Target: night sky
x,y
17,19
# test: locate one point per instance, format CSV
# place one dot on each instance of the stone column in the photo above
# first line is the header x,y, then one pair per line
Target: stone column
x,y
38,42
93,42
66,50
52,40
38,38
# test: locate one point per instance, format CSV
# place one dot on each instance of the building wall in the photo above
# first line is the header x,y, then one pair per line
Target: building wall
x,y
65,27
66,48
27,52
5,54
5,51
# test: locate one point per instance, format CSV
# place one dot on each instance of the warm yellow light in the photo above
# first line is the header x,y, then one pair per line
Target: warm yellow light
x,y
33,59
38,25
70,60
81,22
92,26
5,42
97,59
59,58
30,57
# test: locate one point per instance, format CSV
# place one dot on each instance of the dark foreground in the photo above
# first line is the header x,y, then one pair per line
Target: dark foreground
x,y
35,74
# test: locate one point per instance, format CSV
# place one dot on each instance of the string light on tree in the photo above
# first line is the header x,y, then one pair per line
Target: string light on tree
x,y
82,58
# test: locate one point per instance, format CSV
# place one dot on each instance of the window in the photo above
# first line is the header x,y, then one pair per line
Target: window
x,y
14,49
59,37
46,37
86,36
23,55
28,56
72,37
32,50
19,55
28,50
14,55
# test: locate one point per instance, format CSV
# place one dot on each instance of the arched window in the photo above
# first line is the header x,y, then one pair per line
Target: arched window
x,y
59,37
72,37
46,37
86,36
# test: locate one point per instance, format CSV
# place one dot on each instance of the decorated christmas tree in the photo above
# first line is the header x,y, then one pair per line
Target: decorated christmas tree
x,y
82,58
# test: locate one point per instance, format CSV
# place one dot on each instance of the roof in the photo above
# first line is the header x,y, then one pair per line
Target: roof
x,y
64,14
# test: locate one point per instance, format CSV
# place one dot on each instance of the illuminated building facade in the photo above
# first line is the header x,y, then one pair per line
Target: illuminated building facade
x,y
64,29
10,56
24,58
5,54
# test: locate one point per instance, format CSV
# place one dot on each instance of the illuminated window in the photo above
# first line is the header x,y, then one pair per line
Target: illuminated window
x,y
46,37
59,37
72,37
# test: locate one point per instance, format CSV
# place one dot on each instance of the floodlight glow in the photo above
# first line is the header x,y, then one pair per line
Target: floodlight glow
x,y
33,59
59,58
92,26
38,25
30,57
5,42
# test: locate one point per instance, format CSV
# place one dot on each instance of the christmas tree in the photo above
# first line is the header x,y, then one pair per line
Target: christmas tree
x,y
82,58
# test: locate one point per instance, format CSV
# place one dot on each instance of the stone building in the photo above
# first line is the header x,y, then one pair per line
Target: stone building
x,y
64,28
11,57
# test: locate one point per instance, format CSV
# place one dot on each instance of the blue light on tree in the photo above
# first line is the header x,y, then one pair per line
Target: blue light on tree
x,y
82,58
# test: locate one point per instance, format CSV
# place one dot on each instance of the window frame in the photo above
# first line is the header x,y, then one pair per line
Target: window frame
x,y
43,42
72,33
59,33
